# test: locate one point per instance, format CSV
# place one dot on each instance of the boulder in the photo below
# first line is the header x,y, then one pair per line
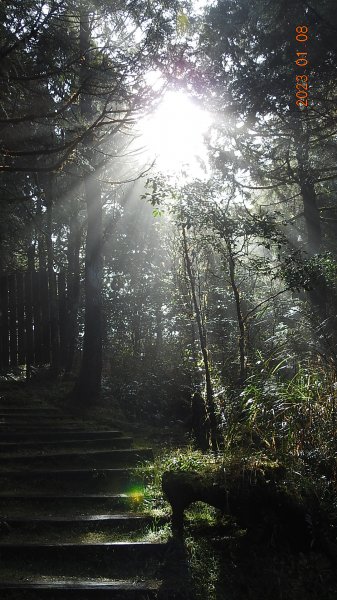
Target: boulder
x,y
253,498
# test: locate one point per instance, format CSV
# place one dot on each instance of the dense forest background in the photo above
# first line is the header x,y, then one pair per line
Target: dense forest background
x,y
222,285
193,303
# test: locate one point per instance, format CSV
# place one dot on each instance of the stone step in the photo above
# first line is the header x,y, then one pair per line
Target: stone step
x,y
58,446
57,434
84,505
102,519
23,404
37,417
35,423
91,459
36,420
71,524
51,569
28,411
72,528
80,590
57,481
103,565
83,552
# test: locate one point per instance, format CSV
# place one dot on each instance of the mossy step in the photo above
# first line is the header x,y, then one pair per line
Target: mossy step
x,y
23,404
36,429
83,590
94,563
123,548
45,505
28,411
44,535
39,422
84,552
64,519
37,418
43,412
58,497
56,481
79,472
58,446
9,407
58,434
81,529
89,459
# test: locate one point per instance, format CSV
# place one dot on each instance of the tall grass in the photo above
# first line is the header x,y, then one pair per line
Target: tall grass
x,y
291,418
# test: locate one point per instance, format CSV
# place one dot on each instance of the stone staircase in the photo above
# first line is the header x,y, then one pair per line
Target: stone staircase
x,y
71,524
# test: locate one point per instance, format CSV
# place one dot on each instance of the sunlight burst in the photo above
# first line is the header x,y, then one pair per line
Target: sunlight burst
x,y
174,136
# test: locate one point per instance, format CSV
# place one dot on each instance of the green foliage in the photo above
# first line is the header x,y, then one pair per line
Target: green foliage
x,y
308,273
182,23
228,465
204,563
180,459
294,419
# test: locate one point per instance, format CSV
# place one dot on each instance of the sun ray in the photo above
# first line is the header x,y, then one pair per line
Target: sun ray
x,y
174,136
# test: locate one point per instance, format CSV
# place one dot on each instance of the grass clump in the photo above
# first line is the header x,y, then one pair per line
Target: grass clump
x,y
176,459
223,468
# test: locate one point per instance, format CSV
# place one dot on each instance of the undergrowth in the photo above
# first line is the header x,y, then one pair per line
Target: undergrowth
x,y
222,563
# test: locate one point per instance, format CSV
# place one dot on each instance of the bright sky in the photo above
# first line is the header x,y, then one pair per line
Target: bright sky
x,y
174,135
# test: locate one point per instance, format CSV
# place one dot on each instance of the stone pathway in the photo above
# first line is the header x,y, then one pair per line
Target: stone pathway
x,y
70,522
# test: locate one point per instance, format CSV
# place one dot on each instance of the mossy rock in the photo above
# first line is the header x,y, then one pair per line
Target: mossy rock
x,y
254,497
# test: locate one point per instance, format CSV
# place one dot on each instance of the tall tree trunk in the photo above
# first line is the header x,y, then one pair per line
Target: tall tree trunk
x,y
159,332
203,346
89,382
311,215
88,387
53,306
308,192
41,236
29,309
324,323
240,318
73,297
137,333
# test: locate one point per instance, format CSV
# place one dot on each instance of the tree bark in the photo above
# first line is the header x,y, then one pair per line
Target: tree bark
x,y
41,236
89,382
203,347
318,295
241,322
136,334
29,309
53,306
88,387
308,193
73,297
159,332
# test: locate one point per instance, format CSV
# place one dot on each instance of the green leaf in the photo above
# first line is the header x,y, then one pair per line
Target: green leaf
x,y
182,23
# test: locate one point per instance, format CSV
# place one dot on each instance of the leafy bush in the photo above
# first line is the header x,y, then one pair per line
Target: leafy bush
x,y
292,419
